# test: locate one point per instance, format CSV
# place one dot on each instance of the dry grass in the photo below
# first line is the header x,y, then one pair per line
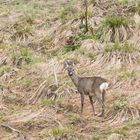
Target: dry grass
x,y
37,98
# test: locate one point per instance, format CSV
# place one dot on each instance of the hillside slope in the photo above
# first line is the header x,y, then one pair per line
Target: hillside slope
x,y
38,101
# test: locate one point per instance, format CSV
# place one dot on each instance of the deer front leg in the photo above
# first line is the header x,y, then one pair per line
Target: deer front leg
x,y
82,102
92,104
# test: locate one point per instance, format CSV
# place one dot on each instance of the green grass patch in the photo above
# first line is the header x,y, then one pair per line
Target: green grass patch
x,y
121,132
57,132
129,48
124,130
23,30
75,119
125,1
126,74
26,83
26,56
2,117
137,8
89,13
2,46
84,36
90,54
67,13
132,124
69,48
126,47
128,127
121,103
29,19
96,136
117,21
48,102
5,69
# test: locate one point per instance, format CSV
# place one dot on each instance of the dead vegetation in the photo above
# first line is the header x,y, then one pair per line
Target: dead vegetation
x,y
122,111
37,99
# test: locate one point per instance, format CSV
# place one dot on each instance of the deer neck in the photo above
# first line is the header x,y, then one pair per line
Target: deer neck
x,y
75,79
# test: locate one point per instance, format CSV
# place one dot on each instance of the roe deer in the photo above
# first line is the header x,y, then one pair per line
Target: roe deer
x,y
91,86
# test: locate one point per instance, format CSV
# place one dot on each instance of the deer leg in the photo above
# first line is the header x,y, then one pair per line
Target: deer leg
x,y
102,105
101,102
92,104
103,95
82,102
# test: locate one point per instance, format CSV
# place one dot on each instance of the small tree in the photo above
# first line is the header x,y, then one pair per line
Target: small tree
x,y
86,15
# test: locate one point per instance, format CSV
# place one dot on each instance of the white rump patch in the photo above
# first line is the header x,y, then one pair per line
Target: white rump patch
x,y
104,86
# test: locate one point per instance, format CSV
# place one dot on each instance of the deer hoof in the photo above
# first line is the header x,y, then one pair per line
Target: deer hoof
x,y
100,115
95,114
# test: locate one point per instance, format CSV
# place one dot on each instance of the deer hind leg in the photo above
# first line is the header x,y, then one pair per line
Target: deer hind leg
x,y
102,105
82,102
103,95
92,104
100,98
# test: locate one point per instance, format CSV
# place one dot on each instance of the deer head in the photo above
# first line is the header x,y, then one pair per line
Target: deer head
x,y
69,66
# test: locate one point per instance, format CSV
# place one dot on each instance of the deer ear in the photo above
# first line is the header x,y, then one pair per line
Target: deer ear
x,y
74,63
66,64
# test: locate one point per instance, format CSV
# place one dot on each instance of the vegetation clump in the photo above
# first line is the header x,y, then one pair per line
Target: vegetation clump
x,y
58,133
5,69
21,31
137,8
126,47
67,13
36,94
121,103
117,21
115,29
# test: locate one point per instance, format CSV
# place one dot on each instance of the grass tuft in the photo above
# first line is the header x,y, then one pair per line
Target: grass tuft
x,y
25,56
126,74
126,47
137,8
5,69
75,119
67,13
121,103
69,48
57,132
117,21
27,83
48,102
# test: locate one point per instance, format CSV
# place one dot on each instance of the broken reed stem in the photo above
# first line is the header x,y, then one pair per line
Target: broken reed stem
x,y
54,72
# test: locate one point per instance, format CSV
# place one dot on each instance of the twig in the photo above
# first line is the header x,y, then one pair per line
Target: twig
x,y
54,71
9,128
